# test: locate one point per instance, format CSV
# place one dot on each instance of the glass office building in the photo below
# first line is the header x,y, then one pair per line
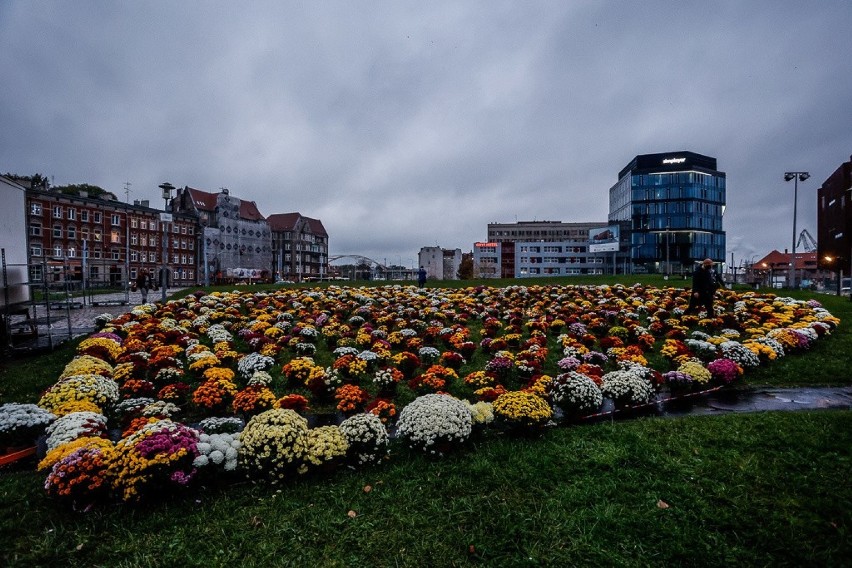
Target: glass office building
x,y
670,207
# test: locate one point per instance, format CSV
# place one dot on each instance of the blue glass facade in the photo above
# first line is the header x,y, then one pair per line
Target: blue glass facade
x,y
671,208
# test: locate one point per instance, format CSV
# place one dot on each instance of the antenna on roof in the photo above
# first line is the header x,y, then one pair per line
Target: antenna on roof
x,y
127,185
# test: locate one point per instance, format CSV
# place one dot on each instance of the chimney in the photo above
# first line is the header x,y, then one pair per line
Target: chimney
x,y
145,203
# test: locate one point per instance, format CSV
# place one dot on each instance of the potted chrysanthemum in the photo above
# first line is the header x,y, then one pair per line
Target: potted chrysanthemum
x,y
522,411
575,394
626,389
435,423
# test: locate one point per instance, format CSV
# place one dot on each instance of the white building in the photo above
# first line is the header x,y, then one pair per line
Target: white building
x,y
13,241
440,264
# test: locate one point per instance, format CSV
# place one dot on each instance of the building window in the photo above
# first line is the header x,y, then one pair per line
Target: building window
x,y
133,274
57,231
97,236
36,274
72,251
134,239
35,229
116,220
115,254
134,256
134,222
35,250
35,208
72,214
72,232
57,251
97,216
57,212
191,259
96,253
84,234
84,215
115,236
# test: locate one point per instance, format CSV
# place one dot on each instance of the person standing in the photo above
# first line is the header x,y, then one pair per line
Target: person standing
x,y
705,282
143,284
421,277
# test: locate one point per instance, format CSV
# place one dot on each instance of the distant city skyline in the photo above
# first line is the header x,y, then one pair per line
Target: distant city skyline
x,y
417,125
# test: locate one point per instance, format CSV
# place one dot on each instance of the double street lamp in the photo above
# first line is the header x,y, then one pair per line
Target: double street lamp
x,y
165,217
796,177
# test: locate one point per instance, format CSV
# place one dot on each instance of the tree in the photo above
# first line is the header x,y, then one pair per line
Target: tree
x,y
75,189
34,181
466,267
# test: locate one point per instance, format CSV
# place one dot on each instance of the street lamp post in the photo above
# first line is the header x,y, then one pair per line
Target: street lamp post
x,y
796,177
164,219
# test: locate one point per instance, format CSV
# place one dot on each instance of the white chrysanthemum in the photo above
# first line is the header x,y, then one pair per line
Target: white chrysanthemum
x,y
22,422
367,437
575,393
75,425
253,362
626,388
434,419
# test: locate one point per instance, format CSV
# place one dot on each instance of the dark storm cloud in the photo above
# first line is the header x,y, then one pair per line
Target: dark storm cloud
x,y
403,125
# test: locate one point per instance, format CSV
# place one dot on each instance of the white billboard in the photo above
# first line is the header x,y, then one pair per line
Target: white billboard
x,y
604,239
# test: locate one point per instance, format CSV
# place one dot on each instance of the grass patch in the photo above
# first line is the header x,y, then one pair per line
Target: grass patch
x,y
748,489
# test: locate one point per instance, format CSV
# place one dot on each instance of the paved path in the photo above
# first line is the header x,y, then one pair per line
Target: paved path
x,y
761,399
61,322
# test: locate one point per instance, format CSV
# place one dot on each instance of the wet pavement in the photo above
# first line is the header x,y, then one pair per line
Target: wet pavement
x,y
763,399
58,322
743,399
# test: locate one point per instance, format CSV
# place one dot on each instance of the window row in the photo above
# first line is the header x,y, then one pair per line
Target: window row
x,y
561,260
555,270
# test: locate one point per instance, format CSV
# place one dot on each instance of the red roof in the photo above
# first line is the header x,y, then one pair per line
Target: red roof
x,y
777,259
206,201
281,222
203,200
317,227
249,211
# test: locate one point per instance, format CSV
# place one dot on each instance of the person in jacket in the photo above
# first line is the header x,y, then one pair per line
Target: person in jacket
x,y
705,282
143,284
421,277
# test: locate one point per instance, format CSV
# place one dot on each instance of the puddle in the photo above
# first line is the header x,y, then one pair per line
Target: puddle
x,y
763,399
725,401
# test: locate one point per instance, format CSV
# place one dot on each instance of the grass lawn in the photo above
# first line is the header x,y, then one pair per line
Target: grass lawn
x,y
757,489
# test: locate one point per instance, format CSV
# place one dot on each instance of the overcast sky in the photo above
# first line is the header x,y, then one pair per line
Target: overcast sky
x,y
410,124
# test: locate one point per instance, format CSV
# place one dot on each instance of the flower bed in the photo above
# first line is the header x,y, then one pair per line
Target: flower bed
x,y
221,385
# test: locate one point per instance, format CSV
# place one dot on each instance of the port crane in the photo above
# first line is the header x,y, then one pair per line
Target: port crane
x,y
806,241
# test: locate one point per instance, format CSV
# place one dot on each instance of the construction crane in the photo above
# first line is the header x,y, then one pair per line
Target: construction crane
x,y
806,241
